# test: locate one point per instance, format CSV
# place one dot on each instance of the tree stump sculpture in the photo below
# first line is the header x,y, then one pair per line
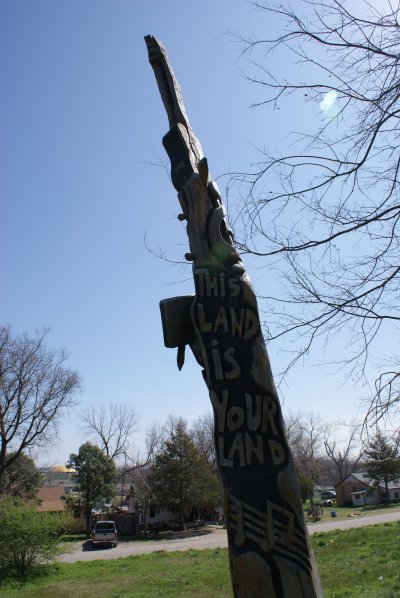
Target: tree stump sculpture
x,y
269,549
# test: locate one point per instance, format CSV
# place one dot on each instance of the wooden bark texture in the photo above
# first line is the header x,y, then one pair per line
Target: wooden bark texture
x,y
269,549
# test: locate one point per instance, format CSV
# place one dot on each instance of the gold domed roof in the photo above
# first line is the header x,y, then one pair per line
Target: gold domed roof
x,y
61,469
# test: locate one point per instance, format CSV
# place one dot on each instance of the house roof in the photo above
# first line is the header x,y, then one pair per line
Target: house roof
x,y
51,498
365,479
362,477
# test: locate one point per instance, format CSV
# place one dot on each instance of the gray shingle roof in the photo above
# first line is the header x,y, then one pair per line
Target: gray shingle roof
x,y
363,477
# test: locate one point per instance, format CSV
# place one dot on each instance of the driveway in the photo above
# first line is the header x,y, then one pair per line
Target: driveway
x,y
207,537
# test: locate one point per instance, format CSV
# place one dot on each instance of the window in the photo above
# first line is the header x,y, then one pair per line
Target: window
x,y
357,496
105,525
396,495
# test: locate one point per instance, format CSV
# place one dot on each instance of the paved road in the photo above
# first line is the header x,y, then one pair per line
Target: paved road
x,y
211,537
353,522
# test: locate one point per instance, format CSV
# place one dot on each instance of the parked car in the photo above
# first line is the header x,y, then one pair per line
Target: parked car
x,y
105,532
328,495
327,503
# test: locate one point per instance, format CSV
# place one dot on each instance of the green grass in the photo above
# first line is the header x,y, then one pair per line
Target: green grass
x,y
350,563
180,574
346,512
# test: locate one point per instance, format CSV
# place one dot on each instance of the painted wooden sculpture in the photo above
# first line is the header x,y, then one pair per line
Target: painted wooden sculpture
x,y
269,549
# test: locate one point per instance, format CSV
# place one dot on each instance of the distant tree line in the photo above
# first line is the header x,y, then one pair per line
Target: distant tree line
x,y
179,467
177,470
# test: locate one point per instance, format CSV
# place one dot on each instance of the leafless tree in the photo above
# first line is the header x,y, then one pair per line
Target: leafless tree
x,y
36,388
385,398
136,461
110,426
136,471
139,459
143,487
327,211
202,433
344,453
305,433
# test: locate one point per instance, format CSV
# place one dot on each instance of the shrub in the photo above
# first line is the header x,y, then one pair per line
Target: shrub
x,y
28,537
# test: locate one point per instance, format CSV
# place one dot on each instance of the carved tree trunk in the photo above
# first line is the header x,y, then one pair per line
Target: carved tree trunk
x,y
269,549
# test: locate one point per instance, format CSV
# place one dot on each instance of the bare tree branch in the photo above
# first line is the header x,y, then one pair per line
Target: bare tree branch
x,y
110,426
344,455
325,214
36,388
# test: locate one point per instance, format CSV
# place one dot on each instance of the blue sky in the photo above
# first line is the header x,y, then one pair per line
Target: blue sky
x,y
81,123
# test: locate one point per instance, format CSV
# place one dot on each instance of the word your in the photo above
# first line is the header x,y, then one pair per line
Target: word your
x,y
258,418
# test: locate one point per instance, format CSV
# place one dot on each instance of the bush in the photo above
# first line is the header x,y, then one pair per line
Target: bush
x,y
28,537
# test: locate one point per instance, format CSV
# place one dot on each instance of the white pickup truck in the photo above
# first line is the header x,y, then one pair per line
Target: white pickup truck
x,y
105,532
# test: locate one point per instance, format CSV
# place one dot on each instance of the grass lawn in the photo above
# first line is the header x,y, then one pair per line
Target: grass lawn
x,y
347,512
193,573
360,563
351,564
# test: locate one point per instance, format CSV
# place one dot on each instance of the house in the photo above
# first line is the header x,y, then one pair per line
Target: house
x,y
357,489
51,499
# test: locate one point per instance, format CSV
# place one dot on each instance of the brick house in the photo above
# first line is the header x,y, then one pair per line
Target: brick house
x,y
357,489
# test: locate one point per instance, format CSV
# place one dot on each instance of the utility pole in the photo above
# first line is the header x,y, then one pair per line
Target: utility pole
x,y
269,550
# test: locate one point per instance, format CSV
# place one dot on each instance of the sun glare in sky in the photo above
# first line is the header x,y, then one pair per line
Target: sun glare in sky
x,y
328,102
